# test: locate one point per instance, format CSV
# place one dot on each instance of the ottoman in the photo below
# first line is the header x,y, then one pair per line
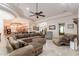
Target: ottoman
x,y
37,48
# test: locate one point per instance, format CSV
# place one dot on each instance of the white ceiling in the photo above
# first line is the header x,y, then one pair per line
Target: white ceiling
x,y
49,9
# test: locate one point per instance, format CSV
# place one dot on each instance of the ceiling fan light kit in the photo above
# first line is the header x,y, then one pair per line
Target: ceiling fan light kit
x,y
37,14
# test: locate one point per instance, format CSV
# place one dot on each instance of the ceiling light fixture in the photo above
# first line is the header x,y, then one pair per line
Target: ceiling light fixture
x,y
37,14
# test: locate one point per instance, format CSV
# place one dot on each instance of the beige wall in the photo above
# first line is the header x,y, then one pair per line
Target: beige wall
x,y
78,25
67,19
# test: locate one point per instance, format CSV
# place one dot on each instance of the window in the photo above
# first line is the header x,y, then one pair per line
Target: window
x,y
61,29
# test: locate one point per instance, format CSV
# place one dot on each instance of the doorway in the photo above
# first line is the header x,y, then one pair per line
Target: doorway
x,y
61,29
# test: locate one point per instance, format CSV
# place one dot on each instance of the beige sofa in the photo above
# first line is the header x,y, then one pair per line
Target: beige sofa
x,y
65,39
24,51
33,48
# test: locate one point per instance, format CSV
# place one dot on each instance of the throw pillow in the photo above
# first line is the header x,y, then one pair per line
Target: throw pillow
x,y
22,43
14,43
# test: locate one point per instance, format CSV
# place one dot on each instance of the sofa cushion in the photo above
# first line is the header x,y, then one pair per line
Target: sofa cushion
x,y
24,51
9,46
19,36
27,40
13,43
64,40
17,43
39,40
22,43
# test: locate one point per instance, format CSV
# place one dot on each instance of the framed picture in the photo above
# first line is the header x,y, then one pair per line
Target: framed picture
x,y
52,27
35,28
70,26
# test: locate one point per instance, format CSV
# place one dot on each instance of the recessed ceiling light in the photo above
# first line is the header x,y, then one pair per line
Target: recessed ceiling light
x,y
27,9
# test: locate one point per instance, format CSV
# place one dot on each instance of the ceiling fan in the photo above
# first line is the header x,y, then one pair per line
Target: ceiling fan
x,y
75,20
37,13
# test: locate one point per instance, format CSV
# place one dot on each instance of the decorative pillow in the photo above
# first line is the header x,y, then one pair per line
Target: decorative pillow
x,y
9,46
13,43
22,43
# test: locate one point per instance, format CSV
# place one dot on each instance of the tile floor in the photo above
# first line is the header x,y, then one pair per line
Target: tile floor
x,y
49,49
3,50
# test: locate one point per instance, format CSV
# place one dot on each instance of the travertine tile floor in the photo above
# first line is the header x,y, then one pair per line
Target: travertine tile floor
x,y
49,49
3,50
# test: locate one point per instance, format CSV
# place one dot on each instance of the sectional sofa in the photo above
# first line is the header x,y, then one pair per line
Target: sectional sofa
x,y
65,39
25,44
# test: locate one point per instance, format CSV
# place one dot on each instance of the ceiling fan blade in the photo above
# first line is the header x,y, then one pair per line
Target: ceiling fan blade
x,y
42,15
40,12
32,15
32,12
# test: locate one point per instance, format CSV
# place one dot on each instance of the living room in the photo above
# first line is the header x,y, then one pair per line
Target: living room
x,y
39,29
